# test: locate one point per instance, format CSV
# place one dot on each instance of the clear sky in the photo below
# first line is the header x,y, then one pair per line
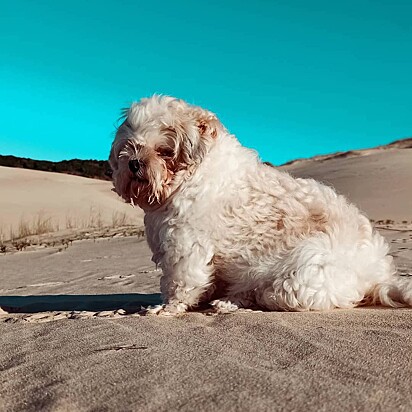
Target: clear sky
x,y
289,78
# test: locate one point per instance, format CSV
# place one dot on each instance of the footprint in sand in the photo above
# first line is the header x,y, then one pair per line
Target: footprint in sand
x,y
400,240
36,285
96,258
44,317
40,317
132,346
119,279
116,277
33,285
126,279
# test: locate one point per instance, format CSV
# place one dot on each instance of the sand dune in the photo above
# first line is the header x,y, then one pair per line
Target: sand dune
x,y
72,337
59,201
378,181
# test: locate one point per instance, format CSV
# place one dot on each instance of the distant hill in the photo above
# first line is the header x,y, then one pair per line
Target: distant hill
x,y
96,169
397,144
100,169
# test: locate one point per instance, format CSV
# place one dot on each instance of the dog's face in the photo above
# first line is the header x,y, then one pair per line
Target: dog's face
x,y
160,142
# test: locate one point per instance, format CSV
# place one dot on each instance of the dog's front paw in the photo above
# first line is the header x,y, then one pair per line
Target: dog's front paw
x,y
171,309
152,310
224,306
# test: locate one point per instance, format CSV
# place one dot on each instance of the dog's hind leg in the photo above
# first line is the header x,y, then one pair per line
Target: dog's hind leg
x,y
328,271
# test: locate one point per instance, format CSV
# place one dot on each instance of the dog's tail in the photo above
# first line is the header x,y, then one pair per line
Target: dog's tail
x,y
391,289
396,292
376,281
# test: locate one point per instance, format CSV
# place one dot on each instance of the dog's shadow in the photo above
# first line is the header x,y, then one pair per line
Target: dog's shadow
x,y
130,302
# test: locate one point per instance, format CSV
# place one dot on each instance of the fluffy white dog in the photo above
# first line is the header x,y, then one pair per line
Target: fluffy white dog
x,y
227,229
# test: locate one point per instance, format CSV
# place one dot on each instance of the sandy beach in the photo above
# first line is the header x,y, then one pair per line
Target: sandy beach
x,y
72,338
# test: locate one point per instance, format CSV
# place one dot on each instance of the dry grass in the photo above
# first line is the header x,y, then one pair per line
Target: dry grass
x,y
38,225
95,220
41,224
119,219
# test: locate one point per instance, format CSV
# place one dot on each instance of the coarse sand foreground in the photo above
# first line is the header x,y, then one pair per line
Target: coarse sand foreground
x,y
342,360
72,340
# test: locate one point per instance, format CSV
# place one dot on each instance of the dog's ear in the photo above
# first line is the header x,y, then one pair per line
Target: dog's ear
x,y
203,134
208,125
194,131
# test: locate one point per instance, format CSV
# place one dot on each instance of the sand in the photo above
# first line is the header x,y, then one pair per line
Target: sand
x,y
379,182
31,198
72,339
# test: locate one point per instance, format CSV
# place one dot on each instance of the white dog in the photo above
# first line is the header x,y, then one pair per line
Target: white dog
x,y
227,229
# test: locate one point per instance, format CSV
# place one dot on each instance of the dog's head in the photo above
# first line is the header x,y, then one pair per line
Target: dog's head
x,y
158,145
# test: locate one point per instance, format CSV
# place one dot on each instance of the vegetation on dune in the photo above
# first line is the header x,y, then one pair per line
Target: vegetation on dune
x,y
95,169
43,229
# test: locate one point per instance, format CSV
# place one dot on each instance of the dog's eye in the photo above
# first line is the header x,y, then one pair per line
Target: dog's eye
x,y
165,153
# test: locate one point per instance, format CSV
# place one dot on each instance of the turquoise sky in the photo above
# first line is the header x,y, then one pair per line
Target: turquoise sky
x,y
289,78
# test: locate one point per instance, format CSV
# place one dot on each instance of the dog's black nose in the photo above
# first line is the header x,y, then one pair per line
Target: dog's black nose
x,y
134,165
